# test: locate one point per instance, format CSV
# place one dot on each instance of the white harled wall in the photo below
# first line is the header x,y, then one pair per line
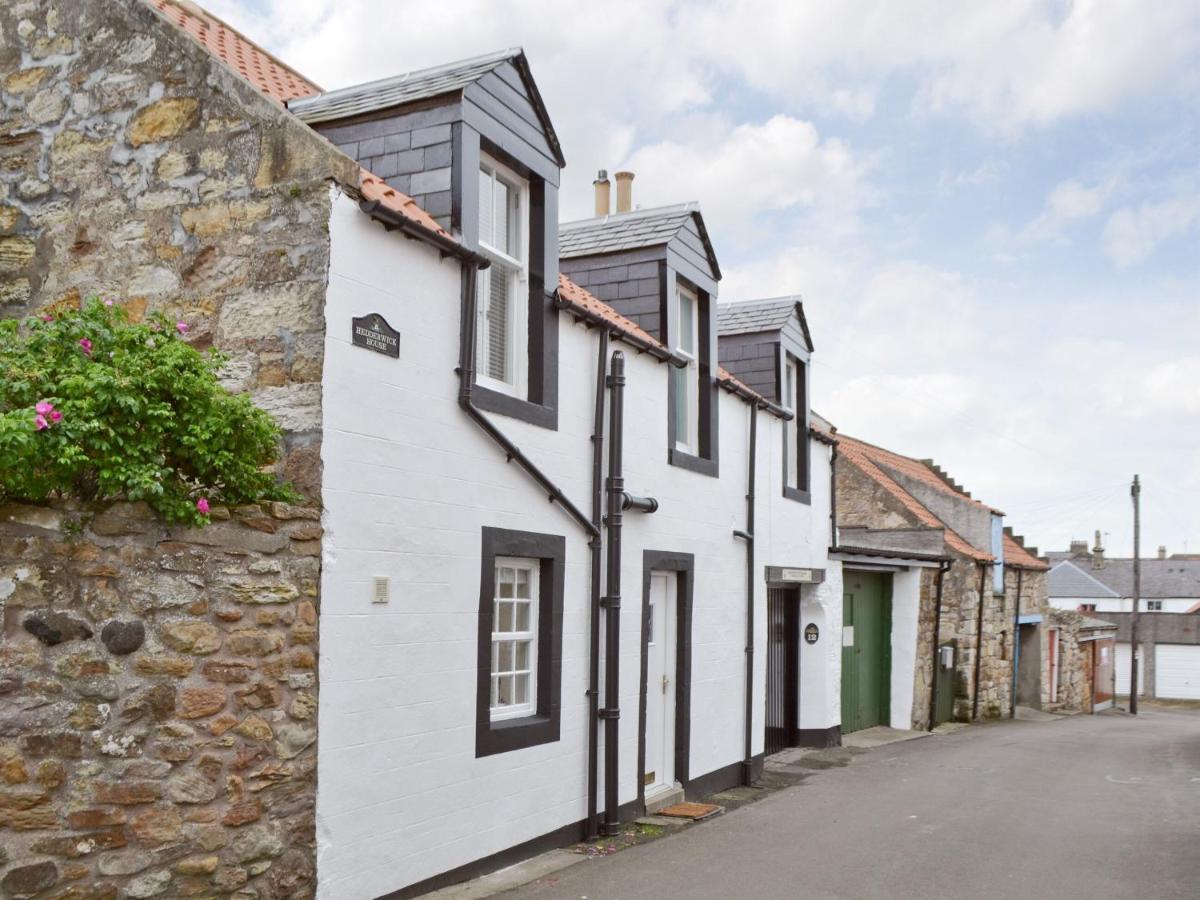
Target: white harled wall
x,y
409,483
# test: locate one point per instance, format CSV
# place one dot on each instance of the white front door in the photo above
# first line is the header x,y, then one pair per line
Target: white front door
x,y
660,684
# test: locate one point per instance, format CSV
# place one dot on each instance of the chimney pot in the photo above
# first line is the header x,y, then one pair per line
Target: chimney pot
x,y
624,191
1098,553
603,193
1162,551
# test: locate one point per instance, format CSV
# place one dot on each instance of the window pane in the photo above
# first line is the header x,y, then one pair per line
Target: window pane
x,y
520,688
495,657
504,694
504,580
485,208
687,324
504,622
502,216
523,583
495,690
680,377
522,617
498,325
522,656
506,656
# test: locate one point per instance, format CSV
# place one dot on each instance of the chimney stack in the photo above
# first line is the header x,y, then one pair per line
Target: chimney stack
x,y
1098,553
1162,551
1078,549
603,193
624,191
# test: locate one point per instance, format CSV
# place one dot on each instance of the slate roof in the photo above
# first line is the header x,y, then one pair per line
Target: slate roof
x,y
750,316
1068,580
397,90
631,231
1161,578
272,76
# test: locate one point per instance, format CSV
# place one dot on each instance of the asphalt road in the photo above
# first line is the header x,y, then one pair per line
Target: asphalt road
x,y
1089,807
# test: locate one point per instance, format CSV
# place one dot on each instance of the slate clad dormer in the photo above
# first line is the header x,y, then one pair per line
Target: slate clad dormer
x,y
658,268
767,345
471,142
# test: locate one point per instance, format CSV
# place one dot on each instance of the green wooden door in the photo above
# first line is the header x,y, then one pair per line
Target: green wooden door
x,y
866,651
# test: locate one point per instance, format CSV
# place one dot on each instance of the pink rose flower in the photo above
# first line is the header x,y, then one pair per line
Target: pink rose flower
x,y
108,303
44,407
181,327
55,415
202,506
86,345
40,422
47,318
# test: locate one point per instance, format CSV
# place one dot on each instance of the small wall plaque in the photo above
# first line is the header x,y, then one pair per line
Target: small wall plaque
x,y
811,633
791,575
373,332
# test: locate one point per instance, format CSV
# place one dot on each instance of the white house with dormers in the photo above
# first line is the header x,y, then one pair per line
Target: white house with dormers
x,y
545,591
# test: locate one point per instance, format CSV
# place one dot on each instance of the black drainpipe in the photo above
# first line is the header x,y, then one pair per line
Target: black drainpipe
x,y
833,532
748,537
593,829
612,601
979,642
937,639
1016,654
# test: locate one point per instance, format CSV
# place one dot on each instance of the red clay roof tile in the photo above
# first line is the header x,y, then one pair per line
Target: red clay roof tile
x,y
375,188
272,76
1016,555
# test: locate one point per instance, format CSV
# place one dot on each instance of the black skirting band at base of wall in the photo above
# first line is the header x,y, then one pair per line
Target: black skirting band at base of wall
x,y
819,737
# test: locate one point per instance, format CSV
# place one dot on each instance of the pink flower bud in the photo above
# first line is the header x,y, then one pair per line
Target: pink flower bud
x,y
202,506
181,327
108,303
44,407
86,345
47,318
55,416
40,422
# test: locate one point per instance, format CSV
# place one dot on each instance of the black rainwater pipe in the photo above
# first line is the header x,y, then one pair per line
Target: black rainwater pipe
x,y
611,712
593,826
937,639
833,532
1016,659
748,537
979,642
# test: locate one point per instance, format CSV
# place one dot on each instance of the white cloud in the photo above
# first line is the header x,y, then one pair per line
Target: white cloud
x,y
1132,234
1067,204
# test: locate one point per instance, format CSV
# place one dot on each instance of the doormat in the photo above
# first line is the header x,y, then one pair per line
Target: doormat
x,y
697,812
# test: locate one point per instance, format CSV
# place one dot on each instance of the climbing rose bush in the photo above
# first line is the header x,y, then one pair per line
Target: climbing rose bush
x,y
95,407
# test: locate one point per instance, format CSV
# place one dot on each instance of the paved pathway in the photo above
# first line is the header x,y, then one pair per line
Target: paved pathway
x,y
1088,807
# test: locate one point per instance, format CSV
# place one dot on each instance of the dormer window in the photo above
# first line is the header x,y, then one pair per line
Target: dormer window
x,y
502,351
687,380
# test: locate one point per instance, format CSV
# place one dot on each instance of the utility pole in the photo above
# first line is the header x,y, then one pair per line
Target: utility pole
x,y
1136,492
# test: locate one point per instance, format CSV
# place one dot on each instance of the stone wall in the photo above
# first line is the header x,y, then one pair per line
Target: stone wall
x,y
158,696
135,166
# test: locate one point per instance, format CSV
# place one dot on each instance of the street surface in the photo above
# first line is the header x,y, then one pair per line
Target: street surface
x,y
1089,807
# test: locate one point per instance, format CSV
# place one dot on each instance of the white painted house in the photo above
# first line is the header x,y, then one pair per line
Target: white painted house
x,y
544,590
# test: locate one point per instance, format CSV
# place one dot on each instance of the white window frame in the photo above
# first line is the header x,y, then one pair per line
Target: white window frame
x,y
530,636
792,403
516,269
690,378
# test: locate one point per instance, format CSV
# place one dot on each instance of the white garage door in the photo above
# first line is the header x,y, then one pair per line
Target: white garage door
x,y
1177,671
1123,671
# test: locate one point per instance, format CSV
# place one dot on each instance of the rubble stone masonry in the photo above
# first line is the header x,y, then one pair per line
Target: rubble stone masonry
x,y
158,694
135,166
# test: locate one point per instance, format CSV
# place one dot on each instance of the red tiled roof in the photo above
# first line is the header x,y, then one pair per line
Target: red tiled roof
x,y
869,459
574,295
375,188
272,76
1016,555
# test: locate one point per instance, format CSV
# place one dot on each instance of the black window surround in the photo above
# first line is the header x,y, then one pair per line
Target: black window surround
x,y
802,493
543,726
540,405
684,565
707,461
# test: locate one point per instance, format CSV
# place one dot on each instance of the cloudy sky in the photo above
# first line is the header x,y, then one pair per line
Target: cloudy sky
x,y
992,210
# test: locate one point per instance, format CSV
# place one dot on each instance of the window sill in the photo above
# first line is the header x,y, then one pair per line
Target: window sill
x,y
798,495
697,464
514,407
506,735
